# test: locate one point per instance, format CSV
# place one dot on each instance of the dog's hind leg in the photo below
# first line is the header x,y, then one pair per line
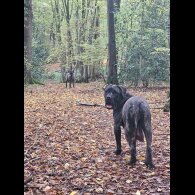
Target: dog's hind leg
x,y
133,152
131,139
148,134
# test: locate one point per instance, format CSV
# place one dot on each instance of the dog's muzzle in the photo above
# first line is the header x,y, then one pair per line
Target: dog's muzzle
x,y
108,103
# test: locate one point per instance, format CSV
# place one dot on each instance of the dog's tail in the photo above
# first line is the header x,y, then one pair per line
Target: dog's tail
x,y
136,111
135,114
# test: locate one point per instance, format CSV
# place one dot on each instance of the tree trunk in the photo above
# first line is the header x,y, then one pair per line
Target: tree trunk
x,y
52,31
69,46
27,41
58,21
68,6
81,72
86,80
93,72
112,61
77,34
166,107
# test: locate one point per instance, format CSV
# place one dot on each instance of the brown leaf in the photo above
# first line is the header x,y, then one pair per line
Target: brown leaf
x,y
99,190
128,181
47,189
74,193
138,193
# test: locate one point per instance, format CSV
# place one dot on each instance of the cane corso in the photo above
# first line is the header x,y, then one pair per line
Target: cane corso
x,y
133,114
69,75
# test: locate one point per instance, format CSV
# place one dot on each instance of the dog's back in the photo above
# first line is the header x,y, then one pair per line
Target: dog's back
x,y
135,113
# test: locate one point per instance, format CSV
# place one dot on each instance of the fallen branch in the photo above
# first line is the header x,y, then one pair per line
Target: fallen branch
x,y
161,133
88,104
27,162
94,104
39,186
158,108
157,102
33,186
81,168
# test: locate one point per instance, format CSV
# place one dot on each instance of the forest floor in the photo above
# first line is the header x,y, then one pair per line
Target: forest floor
x,y
68,148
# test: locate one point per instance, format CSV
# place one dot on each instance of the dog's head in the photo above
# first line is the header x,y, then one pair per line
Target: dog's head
x,y
114,95
69,73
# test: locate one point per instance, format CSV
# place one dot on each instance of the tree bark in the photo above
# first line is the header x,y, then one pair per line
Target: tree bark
x,y
86,80
166,107
27,41
57,19
68,6
112,61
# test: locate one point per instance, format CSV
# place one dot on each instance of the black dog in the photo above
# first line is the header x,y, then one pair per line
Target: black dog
x,y
133,114
69,75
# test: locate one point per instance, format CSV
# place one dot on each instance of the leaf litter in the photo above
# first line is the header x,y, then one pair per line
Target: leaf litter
x,y
68,149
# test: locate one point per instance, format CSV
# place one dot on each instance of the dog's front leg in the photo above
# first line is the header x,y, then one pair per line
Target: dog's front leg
x,y
117,133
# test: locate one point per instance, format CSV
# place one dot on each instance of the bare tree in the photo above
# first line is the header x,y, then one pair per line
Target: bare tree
x,y
27,40
112,60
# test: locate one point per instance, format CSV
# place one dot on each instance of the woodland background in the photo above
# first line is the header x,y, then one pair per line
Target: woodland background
x,y
74,34
68,147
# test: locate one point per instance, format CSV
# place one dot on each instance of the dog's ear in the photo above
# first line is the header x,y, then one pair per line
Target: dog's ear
x,y
123,90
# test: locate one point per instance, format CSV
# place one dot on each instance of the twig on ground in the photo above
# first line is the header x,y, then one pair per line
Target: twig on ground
x,y
157,108
94,104
161,133
88,104
31,160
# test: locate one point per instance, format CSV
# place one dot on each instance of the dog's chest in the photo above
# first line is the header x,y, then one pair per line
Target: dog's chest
x,y
117,115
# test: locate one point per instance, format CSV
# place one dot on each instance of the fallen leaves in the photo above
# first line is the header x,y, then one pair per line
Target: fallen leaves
x,y
138,193
47,189
128,181
74,193
69,148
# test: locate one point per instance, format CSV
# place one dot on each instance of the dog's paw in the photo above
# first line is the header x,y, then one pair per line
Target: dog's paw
x,y
117,152
149,165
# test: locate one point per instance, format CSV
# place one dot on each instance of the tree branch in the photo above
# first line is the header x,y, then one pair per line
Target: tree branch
x,y
88,104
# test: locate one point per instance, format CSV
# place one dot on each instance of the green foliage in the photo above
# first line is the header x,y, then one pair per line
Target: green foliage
x,y
37,72
93,53
40,45
160,64
40,53
142,38
56,76
142,41
53,56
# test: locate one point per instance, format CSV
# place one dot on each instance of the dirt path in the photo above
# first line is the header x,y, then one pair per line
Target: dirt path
x,y
69,148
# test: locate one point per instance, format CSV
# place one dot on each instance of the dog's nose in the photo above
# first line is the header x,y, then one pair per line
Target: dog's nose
x,y
108,98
